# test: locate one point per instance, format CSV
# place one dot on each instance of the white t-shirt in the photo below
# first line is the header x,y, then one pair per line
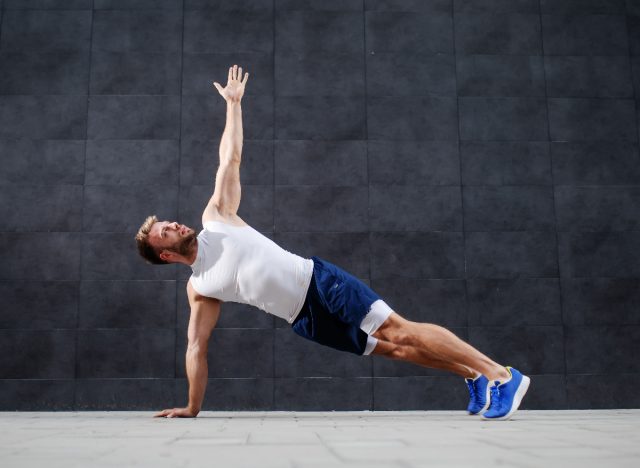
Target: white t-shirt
x,y
239,264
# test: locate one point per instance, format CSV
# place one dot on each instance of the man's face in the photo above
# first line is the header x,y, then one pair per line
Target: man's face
x,y
178,238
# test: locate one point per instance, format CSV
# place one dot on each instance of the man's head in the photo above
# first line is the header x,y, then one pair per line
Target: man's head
x,y
162,242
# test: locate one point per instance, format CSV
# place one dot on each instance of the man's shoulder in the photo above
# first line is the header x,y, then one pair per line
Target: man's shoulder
x,y
195,296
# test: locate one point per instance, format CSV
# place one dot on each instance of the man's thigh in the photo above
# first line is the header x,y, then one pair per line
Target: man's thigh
x,y
343,294
316,324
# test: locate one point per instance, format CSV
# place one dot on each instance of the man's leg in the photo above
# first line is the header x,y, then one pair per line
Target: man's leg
x,y
418,356
437,346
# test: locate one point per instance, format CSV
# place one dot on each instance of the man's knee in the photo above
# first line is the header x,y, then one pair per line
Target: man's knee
x,y
390,350
395,329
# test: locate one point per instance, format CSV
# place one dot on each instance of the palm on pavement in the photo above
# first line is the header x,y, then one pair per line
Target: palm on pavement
x,y
176,413
235,88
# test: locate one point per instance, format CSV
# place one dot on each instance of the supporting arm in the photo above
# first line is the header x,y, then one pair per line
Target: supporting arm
x,y
204,316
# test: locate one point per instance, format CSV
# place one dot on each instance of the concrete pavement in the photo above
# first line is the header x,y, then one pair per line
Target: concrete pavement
x,y
412,439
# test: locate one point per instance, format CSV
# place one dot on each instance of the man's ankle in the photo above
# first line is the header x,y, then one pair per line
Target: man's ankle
x,y
470,373
500,374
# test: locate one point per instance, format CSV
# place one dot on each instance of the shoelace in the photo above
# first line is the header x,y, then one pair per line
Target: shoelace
x,y
495,398
472,387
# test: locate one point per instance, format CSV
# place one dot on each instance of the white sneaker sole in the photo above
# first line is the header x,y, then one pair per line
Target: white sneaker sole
x,y
520,392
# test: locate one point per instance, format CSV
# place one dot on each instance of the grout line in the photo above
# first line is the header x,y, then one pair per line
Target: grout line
x,y
366,148
324,140
422,278
555,214
144,328
381,231
389,97
462,185
492,186
495,186
82,211
273,203
177,278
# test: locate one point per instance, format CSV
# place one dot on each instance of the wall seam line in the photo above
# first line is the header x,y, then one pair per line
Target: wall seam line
x,y
462,213
177,273
366,149
553,201
84,184
273,203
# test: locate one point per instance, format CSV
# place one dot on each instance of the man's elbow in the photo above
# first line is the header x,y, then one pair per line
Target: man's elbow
x,y
232,157
197,348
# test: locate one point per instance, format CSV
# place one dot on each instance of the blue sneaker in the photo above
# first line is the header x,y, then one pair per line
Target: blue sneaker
x,y
478,394
506,397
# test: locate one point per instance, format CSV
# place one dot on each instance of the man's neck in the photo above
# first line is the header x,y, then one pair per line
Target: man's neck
x,y
190,260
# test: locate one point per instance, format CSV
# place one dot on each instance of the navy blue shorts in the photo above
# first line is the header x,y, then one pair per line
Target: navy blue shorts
x,y
334,308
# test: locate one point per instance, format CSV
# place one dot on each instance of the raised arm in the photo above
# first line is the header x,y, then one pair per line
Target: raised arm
x,y
226,195
204,316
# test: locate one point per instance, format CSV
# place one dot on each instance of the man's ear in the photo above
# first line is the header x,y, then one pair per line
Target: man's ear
x,y
166,255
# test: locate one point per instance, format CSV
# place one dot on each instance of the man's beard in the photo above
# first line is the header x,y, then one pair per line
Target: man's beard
x,y
185,245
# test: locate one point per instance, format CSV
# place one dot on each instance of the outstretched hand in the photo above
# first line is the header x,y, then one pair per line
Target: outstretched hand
x,y
234,90
176,413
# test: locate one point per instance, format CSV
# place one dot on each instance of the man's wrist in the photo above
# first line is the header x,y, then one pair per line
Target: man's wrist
x,y
193,410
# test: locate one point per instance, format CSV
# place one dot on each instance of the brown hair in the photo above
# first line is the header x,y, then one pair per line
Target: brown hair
x,y
145,249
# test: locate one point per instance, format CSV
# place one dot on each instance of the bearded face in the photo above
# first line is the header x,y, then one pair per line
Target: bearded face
x,y
184,245
173,237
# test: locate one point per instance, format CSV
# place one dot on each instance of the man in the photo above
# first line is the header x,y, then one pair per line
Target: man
x,y
231,261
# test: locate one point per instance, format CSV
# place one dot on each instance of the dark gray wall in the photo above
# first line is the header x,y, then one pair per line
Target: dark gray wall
x,y
475,162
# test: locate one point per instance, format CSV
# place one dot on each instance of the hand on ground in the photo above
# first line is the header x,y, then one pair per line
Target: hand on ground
x,y
176,413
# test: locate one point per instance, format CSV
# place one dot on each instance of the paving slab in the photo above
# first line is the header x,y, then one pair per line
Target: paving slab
x,y
389,439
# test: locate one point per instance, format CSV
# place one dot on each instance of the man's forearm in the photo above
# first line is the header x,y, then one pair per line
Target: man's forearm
x,y
231,142
197,370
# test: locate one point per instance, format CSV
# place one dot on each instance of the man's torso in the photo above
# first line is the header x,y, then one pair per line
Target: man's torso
x,y
236,263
